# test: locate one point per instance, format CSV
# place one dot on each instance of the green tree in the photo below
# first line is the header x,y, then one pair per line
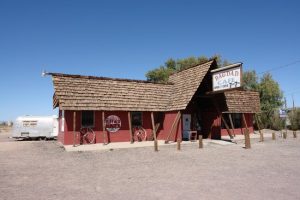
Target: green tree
x,y
250,80
162,73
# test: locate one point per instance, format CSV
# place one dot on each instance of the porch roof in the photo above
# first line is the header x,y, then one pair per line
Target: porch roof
x,y
241,101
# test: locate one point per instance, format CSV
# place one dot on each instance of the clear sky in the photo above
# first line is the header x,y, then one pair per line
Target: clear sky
x,y
127,38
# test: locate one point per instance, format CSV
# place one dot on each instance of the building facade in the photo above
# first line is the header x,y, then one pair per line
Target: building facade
x,y
114,109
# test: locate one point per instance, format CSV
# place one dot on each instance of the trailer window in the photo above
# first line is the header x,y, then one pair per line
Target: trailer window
x,y
29,123
87,118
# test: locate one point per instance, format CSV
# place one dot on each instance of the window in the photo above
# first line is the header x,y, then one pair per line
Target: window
x,y
159,118
236,120
137,119
87,119
30,124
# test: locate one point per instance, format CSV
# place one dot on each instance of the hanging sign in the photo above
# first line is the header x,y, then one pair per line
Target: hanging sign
x,y
227,78
113,123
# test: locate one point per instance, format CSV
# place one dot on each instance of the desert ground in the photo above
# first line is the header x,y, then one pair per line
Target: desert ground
x,y
44,170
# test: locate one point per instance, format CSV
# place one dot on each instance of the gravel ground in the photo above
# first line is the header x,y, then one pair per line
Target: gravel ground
x,y
43,170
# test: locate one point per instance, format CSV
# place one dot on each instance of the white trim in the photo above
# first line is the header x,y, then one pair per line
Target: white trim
x,y
62,125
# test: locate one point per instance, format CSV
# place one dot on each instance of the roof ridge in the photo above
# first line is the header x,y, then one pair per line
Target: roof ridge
x,y
210,60
105,78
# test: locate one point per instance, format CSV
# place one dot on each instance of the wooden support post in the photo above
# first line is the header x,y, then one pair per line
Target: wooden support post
x,y
173,126
74,128
130,128
294,134
178,145
200,142
231,123
105,140
247,134
284,134
273,136
227,127
154,133
261,135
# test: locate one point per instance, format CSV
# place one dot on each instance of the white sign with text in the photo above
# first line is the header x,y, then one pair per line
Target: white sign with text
x,y
227,79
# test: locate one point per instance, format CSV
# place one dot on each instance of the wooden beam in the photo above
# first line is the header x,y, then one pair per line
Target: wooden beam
x,y
200,141
231,123
259,130
105,140
173,125
130,128
74,128
247,134
154,132
227,127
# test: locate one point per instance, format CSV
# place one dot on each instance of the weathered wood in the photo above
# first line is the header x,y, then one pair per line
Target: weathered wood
x,y
285,135
173,125
154,132
74,128
231,123
261,135
294,134
200,141
178,145
130,128
227,127
273,136
105,140
247,134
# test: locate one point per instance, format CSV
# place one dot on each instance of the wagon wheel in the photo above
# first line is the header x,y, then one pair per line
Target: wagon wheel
x,y
89,136
140,134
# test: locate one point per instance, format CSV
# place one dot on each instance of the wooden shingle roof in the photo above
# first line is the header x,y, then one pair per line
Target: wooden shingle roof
x,y
239,101
186,84
75,92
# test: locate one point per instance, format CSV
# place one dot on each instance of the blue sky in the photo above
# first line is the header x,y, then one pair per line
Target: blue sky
x,y
127,38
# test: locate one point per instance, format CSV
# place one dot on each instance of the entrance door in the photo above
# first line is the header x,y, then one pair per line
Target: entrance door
x,y
186,119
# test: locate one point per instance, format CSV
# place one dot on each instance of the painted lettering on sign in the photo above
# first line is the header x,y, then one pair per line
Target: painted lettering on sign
x,y
113,123
228,79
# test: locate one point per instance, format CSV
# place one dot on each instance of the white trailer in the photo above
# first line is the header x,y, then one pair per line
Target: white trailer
x,y
43,127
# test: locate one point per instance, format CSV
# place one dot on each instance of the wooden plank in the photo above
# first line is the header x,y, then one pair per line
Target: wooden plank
x,y
227,127
130,128
154,132
74,128
247,134
231,123
105,141
173,125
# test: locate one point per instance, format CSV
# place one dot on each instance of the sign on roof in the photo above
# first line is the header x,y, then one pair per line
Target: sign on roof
x,y
227,77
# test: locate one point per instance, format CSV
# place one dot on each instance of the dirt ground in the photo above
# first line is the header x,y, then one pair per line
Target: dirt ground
x,y
43,170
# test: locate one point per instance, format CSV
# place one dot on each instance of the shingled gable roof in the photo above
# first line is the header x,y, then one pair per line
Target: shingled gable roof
x,y
75,92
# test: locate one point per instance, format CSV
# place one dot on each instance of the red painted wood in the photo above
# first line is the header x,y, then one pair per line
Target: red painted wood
x,y
211,121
